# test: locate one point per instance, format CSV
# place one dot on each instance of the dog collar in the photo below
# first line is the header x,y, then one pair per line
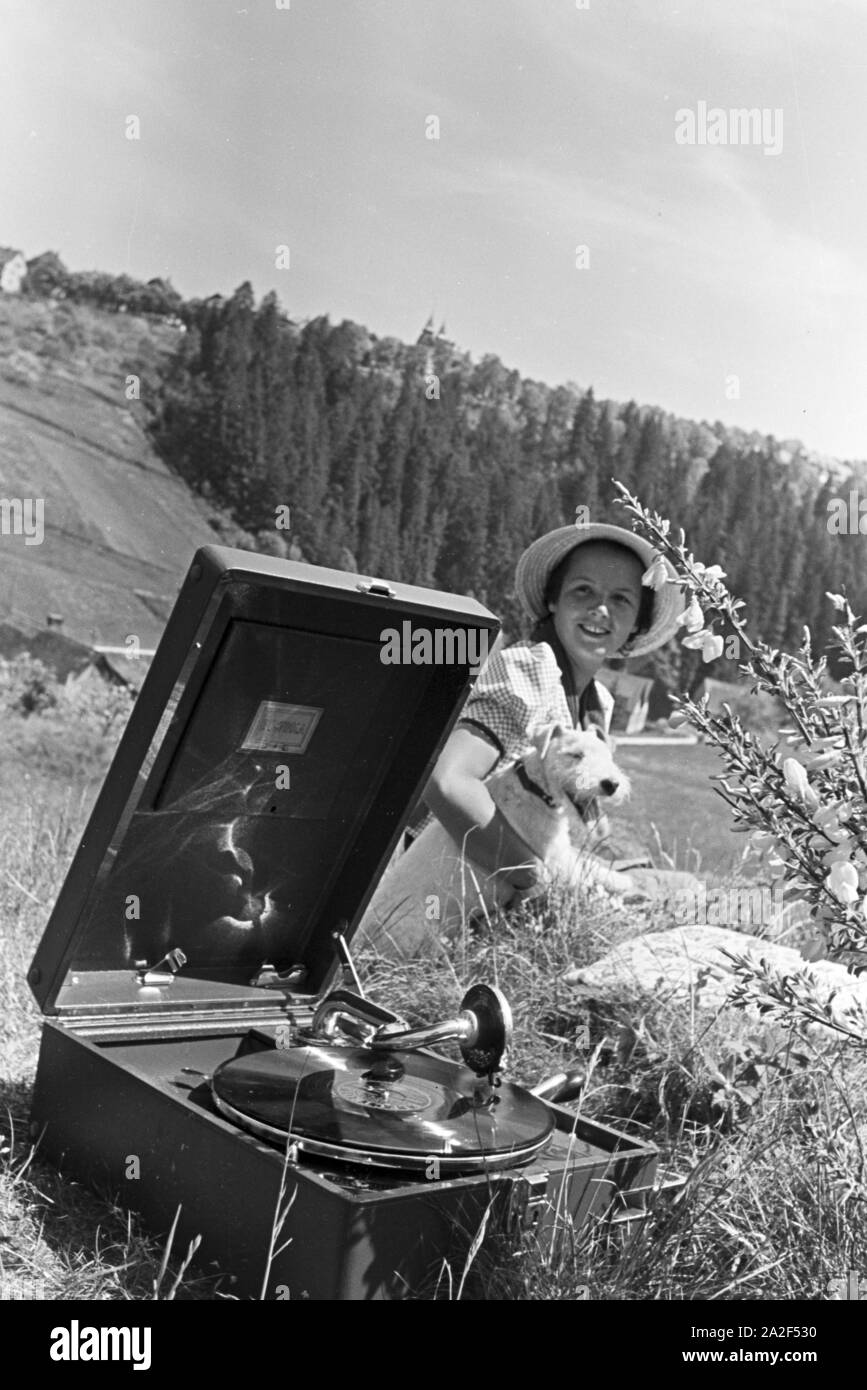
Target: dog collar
x,y
529,785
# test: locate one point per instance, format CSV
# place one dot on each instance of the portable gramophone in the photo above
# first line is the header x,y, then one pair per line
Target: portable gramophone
x,y
207,1047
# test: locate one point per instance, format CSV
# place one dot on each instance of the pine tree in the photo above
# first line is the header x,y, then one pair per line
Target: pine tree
x,y
652,461
579,479
606,442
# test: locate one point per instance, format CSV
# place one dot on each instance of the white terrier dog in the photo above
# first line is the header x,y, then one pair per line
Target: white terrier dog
x,y
434,886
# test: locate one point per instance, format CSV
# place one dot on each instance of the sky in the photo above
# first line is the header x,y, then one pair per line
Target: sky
x,y
723,278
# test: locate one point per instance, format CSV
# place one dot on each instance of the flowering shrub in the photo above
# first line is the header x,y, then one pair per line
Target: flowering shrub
x,y
97,706
27,686
757,712
804,800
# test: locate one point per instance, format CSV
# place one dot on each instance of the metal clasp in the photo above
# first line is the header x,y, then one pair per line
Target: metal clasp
x,y
377,587
163,971
528,1199
269,977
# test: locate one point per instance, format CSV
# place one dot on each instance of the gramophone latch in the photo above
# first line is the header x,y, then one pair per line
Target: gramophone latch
x,y
269,977
163,971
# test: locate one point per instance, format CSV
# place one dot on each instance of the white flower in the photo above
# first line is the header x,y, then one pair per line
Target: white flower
x,y
795,776
708,643
762,839
819,760
709,571
832,701
838,834
842,881
692,617
656,575
840,854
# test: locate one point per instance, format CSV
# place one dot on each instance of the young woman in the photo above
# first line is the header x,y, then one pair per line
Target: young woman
x,y
583,587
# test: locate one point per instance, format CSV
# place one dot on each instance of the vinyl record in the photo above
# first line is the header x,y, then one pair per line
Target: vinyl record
x,y
387,1109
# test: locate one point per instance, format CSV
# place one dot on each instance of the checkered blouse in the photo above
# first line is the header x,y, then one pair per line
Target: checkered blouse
x,y
520,689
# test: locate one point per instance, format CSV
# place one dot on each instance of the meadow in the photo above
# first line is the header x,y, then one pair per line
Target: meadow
x,y
675,809
765,1130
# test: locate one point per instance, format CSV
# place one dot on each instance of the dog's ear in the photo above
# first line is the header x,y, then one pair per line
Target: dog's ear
x,y
552,731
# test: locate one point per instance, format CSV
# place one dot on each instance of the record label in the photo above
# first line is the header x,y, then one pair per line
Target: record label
x,y
281,728
403,1100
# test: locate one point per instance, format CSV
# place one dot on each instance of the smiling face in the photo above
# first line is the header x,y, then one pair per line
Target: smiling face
x,y
597,607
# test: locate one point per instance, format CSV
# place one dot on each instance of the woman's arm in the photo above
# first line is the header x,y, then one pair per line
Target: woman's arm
x,y
461,802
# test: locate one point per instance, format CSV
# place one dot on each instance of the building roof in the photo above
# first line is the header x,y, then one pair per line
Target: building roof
x,y
61,654
124,669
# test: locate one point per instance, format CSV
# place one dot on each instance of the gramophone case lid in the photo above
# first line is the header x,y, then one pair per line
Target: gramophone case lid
x,y
276,748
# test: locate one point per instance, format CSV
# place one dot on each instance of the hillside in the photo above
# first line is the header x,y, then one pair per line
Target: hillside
x,y
120,527
428,467
407,461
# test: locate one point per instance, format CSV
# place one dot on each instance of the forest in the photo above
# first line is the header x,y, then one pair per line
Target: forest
x,y
414,462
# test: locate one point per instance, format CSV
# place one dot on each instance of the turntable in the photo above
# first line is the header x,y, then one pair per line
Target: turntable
x,y
207,1051
387,1105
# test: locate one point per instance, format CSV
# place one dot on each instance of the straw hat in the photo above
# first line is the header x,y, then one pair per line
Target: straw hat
x,y
539,559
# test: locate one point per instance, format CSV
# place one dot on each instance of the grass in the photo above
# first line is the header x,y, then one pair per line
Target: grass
x,y
671,789
57,1239
767,1131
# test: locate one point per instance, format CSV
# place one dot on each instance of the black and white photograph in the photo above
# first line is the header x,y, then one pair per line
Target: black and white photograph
x,y
433,665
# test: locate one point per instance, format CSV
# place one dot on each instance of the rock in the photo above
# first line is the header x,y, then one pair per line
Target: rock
x,y
686,962
663,885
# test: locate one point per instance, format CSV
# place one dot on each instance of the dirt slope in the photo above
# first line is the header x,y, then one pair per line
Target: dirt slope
x,y
119,527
